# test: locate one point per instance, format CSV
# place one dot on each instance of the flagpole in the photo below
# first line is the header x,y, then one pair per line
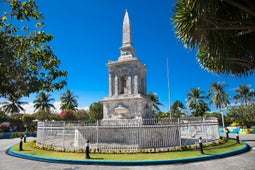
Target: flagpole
x,y
168,82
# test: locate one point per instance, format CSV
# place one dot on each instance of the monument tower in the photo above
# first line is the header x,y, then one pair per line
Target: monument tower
x,y
127,83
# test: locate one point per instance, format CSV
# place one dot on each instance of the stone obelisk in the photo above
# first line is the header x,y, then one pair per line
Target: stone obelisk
x,y
127,83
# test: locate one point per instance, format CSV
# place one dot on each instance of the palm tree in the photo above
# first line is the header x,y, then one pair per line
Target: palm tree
x,y
220,98
42,102
196,103
69,101
245,94
13,105
218,30
176,108
155,100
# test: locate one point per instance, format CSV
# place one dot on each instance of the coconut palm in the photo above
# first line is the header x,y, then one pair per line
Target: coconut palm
x,y
176,108
219,97
195,102
245,94
69,101
220,30
13,105
155,100
42,102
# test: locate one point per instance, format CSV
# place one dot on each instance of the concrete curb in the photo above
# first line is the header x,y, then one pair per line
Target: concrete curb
x,y
127,163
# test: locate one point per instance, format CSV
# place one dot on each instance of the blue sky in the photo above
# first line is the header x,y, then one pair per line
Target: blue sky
x,y
88,33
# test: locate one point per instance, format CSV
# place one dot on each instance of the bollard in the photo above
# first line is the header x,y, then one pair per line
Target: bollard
x,y
227,132
237,138
200,145
25,138
87,150
20,144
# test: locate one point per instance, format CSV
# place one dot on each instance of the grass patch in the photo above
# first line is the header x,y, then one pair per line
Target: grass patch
x,y
230,145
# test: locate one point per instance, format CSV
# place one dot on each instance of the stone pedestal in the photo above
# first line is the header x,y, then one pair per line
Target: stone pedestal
x,y
127,107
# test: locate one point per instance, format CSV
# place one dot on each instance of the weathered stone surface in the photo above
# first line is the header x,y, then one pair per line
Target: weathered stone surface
x,y
127,83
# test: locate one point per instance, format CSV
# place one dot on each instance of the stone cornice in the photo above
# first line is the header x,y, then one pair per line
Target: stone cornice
x,y
126,62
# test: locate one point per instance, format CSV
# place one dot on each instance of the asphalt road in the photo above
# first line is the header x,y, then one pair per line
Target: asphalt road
x,y
245,161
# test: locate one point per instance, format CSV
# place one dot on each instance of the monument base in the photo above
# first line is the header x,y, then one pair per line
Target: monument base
x,y
133,107
133,137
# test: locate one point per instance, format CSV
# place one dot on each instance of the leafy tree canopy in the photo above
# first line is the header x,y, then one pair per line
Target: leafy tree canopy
x,y
243,115
27,63
177,109
222,30
96,111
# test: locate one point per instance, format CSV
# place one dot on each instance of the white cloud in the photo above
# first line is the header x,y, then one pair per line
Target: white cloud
x,y
57,107
29,107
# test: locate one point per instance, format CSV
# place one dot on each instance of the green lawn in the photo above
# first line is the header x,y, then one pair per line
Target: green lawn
x,y
226,147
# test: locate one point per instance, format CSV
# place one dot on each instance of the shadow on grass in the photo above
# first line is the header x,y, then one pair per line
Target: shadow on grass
x,y
24,150
95,158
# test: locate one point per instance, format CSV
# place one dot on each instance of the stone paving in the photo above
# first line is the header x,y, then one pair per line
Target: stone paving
x,y
243,161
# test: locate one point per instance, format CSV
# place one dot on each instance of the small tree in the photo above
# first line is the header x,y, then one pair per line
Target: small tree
x,y
96,111
177,109
245,95
219,97
42,102
82,115
196,103
41,115
68,115
155,102
69,101
28,121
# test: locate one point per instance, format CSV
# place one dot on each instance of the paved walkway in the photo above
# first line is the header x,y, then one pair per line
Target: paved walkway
x,y
243,161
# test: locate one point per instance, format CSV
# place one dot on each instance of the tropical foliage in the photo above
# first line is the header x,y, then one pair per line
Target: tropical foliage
x,y
222,31
68,115
243,115
177,109
96,111
28,63
42,102
82,115
14,105
219,97
245,94
27,120
196,103
155,101
69,101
